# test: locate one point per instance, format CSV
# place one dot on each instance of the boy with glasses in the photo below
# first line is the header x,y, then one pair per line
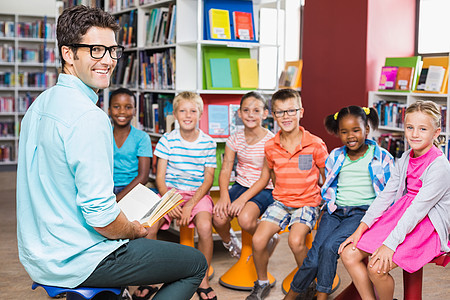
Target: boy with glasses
x,y
297,159
70,230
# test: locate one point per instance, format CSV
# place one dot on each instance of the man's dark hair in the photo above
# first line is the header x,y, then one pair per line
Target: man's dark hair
x,y
121,91
75,21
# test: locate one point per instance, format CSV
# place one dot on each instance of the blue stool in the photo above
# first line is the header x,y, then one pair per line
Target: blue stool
x,y
80,293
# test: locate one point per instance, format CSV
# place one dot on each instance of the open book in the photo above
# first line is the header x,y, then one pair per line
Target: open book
x,y
143,205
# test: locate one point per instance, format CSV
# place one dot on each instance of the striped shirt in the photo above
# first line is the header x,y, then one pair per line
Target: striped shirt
x,y
379,169
186,161
297,174
250,158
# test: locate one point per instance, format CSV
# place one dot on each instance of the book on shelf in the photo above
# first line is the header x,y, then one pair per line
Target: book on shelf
x,y
218,120
243,25
404,78
391,114
6,153
235,121
220,152
143,205
388,78
414,62
292,75
248,73
157,69
435,78
393,143
220,72
422,79
435,81
219,24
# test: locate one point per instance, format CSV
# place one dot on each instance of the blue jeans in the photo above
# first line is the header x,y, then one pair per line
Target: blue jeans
x,y
263,199
145,262
321,260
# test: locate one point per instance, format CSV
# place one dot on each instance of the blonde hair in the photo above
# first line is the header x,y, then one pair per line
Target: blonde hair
x,y
430,108
189,96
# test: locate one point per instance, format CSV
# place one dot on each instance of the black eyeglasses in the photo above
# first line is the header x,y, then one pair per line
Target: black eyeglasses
x,y
289,112
98,51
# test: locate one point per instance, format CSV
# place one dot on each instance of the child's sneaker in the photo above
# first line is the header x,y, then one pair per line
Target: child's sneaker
x,y
234,245
259,292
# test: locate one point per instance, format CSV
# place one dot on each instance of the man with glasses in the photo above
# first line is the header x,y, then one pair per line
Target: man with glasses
x,y
70,230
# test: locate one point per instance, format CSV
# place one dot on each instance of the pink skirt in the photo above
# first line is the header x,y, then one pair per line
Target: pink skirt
x,y
420,246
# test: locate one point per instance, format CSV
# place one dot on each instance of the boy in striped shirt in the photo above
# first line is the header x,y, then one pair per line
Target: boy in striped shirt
x,y
296,158
186,162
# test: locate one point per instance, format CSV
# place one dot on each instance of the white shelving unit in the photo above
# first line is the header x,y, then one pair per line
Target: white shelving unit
x,y
408,98
17,88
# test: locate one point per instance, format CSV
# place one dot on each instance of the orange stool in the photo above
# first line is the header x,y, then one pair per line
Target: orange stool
x,y
242,275
286,285
187,239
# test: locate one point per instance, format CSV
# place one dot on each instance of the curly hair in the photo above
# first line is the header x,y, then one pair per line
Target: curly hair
x,y
75,21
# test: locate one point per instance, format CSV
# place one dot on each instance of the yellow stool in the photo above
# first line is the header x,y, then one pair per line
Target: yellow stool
x,y
287,281
187,239
242,275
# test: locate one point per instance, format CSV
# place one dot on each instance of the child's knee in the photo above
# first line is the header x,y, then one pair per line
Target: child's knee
x,y
219,221
376,275
246,222
204,228
259,242
348,256
296,243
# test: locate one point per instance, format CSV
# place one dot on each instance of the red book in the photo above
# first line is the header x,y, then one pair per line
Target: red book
x,y
243,25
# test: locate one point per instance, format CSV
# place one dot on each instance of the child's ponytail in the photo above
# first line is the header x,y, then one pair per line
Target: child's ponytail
x,y
368,115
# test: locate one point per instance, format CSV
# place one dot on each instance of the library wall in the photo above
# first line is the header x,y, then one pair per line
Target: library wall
x,y
344,47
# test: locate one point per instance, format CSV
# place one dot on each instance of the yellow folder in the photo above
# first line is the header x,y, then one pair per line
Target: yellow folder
x,y
248,73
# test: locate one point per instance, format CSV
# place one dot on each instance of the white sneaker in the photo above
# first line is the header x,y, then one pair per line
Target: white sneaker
x,y
273,242
234,245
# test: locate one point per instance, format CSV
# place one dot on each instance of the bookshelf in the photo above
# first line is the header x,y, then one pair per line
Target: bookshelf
x,y
28,65
390,106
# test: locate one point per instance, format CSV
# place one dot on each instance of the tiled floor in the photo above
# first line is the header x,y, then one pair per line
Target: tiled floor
x,y
15,283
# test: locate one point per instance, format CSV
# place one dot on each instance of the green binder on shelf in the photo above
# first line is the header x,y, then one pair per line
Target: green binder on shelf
x,y
233,54
412,62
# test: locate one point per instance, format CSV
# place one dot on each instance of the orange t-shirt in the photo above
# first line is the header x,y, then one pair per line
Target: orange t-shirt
x,y
297,174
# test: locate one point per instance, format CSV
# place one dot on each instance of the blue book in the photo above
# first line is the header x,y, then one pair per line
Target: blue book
x,y
220,72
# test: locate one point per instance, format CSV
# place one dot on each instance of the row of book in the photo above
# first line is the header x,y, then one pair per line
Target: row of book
x,y
28,79
391,114
414,74
160,25
394,143
7,29
43,54
126,70
7,104
7,53
7,129
37,29
229,20
156,113
6,153
157,70
127,35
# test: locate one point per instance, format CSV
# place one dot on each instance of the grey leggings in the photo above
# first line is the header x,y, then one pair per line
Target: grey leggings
x,y
145,262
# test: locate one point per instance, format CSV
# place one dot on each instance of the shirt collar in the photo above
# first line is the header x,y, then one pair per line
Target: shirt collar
x,y
306,138
75,82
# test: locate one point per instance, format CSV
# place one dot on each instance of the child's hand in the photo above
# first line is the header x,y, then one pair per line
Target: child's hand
x,y
185,215
353,239
235,208
221,207
382,259
175,213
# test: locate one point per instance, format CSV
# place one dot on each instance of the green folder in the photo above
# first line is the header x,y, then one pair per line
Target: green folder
x,y
220,73
232,54
411,61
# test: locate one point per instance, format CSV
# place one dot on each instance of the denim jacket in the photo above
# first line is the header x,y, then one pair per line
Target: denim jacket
x,y
379,169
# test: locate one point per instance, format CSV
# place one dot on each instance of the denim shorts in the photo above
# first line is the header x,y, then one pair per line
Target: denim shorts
x,y
263,199
283,215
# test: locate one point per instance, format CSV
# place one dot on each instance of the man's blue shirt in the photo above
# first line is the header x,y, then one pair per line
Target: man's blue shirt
x,y
65,185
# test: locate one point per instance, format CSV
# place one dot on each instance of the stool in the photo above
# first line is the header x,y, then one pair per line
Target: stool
x,y
80,293
242,275
412,283
187,239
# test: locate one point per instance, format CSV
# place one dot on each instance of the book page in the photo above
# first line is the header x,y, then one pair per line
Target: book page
x,y
138,202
